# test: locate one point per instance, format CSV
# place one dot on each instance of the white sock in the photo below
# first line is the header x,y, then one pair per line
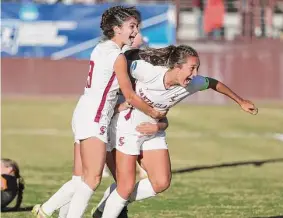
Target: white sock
x,y
108,191
64,209
114,205
80,200
143,189
63,212
61,197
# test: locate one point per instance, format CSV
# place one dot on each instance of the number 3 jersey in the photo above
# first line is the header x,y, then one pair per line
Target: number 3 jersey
x,y
95,108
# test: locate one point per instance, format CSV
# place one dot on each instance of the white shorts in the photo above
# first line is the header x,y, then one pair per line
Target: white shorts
x,y
133,145
83,123
125,139
112,134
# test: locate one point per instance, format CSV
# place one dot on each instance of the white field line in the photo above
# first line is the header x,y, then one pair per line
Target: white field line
x,y
184,135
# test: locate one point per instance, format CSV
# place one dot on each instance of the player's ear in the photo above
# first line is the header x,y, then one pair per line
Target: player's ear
x,y
117,30
178,66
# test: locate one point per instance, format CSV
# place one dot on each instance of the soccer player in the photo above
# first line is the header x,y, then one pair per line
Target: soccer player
x,y
94,110
163,78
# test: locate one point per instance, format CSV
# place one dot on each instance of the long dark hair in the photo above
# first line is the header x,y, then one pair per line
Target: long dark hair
x,y
21,185
169,56
116,16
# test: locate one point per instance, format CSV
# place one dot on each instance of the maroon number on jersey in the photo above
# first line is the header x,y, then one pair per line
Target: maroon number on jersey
x,y
89,78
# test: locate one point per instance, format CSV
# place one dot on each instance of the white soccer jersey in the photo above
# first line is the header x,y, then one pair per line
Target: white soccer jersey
x,y
96,106
102,84
150,87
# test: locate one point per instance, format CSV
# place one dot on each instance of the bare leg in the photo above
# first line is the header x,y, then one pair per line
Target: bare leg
x,y
126,177
93,155
77,174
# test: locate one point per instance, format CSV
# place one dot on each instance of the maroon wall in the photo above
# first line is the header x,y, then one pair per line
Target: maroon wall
x,y
43,76
254,70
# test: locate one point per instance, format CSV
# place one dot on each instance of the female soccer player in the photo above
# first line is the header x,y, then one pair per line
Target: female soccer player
x,y
164,77
92,115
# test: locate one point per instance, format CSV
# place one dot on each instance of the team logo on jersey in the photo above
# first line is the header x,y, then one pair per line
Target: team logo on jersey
x,y
121,141
102,130
134,65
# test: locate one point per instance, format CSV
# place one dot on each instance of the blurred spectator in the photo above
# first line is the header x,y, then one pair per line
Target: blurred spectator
x,y
263,18
214,12
280,7
246,15
198,13
257,17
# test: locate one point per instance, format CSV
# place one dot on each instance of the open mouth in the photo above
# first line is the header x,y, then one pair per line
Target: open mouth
x,y
187,80
132,38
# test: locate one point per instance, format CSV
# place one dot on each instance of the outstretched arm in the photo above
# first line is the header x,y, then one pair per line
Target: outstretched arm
x,y
246,105
120,68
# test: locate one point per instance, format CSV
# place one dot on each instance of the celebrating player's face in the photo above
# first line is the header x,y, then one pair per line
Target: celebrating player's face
x,y
128,31
188,70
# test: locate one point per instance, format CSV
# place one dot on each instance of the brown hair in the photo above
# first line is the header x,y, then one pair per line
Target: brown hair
x,y
116,16
169,56
21,185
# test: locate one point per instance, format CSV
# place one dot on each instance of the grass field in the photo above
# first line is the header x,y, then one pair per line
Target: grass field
x,y
37,133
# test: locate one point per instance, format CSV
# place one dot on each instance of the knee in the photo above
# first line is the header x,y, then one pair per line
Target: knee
x,y
93,180
161,184
125,188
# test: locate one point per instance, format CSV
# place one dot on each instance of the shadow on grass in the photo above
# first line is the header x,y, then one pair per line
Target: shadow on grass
x,y
12,209
280,216
256,163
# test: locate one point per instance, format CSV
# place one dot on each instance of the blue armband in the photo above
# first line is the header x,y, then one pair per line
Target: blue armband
x,y
200,82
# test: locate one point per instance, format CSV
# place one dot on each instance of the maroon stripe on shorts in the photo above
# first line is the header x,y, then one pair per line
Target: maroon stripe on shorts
x,y
128,115
103,100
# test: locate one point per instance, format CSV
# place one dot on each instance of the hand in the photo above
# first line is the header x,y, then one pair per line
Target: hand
x,y
124,106
147,128
249,107
159,114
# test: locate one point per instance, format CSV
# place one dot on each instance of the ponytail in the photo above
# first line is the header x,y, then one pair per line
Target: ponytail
x,y
169,56
157,57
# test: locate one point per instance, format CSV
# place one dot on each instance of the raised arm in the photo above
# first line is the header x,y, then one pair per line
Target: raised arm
x,y
120,68
246,105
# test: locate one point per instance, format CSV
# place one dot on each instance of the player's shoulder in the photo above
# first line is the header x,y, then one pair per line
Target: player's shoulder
x,y
109,46
105,48
105,52
146,72
143,65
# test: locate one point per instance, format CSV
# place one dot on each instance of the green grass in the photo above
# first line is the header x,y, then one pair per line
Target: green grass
x,y
37,134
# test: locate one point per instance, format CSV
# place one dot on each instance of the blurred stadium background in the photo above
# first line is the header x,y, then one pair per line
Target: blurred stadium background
x,y
45,46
